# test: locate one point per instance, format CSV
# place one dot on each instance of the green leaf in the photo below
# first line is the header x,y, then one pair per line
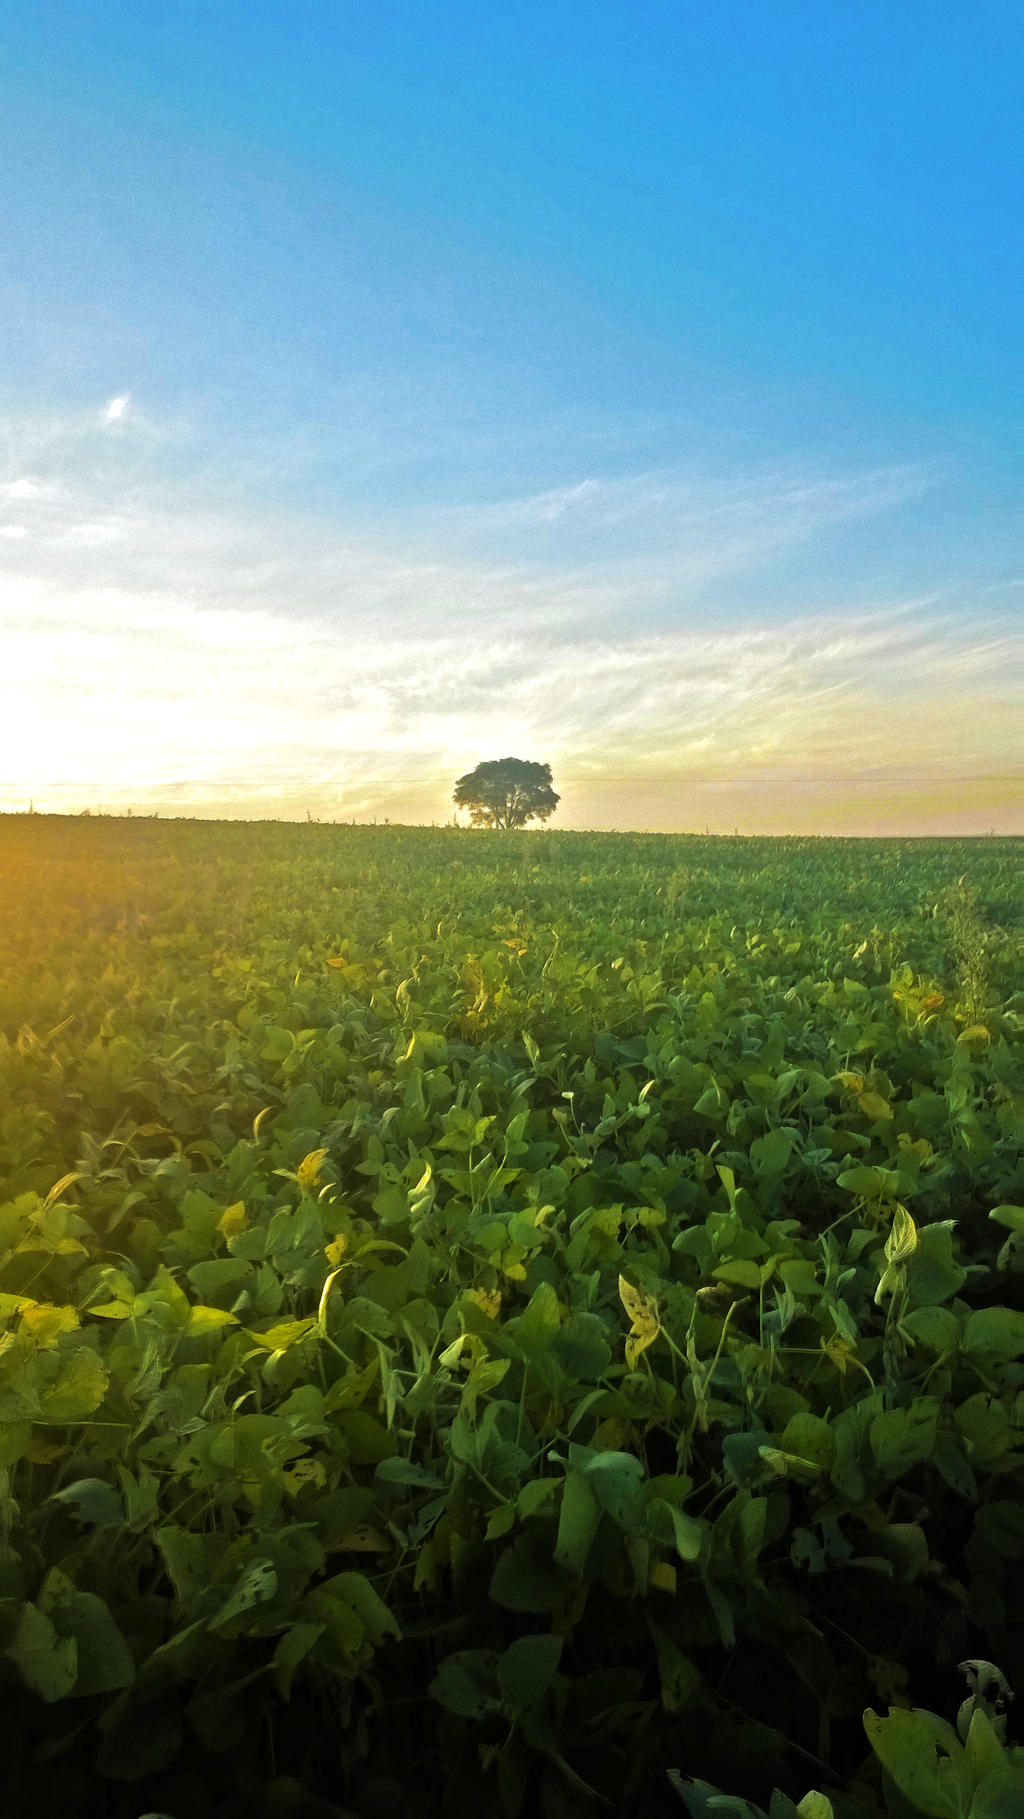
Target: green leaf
x,y
406,1471
581,1347
527,1668
467,1683
578,1519
938,1328
810,1437
291,1651
256,1586
369,1441
1001,1526
1010,1216
373,1613
706,1802
15,1440
770,1154
140,1737
741,1272
1000,1796
522,1581
912,1746
670,1526
984,1751
680,1680
48,1663
995,1332
77,1390
616,1481
93,1501
105,1663
903,1437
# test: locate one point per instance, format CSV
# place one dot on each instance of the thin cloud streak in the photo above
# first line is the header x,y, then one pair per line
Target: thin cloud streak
x,y
160,649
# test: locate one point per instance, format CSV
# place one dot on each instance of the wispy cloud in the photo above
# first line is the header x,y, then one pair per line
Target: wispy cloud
x,y
117,408
158,648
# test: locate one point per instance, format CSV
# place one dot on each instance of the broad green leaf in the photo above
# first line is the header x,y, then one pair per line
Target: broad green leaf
x,y
578,1519
680,1679
902,1437
77,1390
93,1501
104,1660
912,1746
521,1580
995,1332
48,1663
1000,1796
291,1651
616,1481
467,1683
527,1668
378,1622
256,1586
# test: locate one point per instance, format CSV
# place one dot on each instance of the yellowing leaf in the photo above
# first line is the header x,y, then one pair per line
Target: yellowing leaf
x,y
279,1338
362,1539
335,1251
465,1351
487,1299
308,1171
302,1472
58,1188
662,1575
44,1323
854,1083
643,1313
815,1806
838,1351
874,1105
45,1452
15,1304
902,1240
233,1220
610,1435
976,1033
208,1319
899,1248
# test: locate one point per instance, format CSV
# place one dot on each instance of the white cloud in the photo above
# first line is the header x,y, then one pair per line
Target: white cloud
x,y
117,407
13,532
153,640
23,488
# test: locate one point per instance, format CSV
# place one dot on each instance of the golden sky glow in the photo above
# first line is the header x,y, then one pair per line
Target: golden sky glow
x,y
169,650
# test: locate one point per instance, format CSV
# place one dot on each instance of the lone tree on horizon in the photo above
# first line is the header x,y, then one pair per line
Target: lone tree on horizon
x,y
507,792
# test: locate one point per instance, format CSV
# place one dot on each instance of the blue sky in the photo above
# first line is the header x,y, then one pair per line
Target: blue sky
x,y
639,385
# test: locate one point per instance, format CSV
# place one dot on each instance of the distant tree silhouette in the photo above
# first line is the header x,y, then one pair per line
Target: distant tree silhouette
x,y
507,792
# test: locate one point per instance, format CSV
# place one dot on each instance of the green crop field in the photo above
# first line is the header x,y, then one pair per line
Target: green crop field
x,y
516,1324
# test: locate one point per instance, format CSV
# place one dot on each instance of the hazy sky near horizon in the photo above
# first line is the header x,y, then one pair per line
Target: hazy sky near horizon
x,y
635,388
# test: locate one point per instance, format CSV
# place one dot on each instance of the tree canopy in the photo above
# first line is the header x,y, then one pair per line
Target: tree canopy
x,y
507,792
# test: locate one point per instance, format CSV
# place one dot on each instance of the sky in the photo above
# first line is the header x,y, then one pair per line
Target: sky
x,y
632,388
